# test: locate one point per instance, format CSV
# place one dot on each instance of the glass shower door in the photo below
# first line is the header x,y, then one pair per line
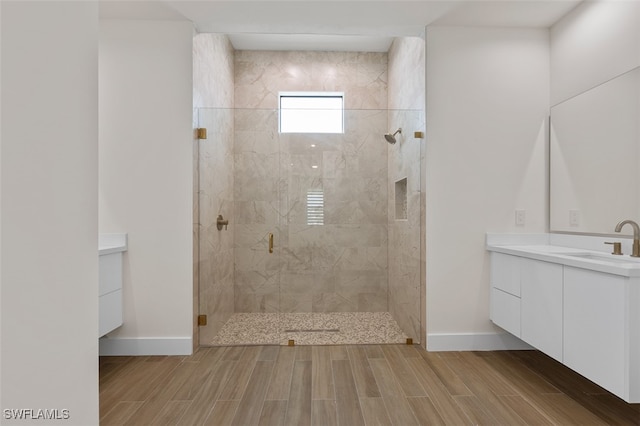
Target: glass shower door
x,y
238,176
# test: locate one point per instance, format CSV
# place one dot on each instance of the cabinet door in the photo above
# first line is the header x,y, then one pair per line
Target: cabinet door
x,y
594,327
541,306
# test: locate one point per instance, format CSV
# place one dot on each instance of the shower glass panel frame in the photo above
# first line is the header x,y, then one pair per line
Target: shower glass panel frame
x,y
237,274
329,201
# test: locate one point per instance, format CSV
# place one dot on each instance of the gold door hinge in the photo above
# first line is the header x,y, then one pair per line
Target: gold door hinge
x,y
202,320
201,133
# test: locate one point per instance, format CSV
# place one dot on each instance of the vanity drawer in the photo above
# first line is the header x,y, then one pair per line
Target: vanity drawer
x,y
505,311
109,312
110,273
505,273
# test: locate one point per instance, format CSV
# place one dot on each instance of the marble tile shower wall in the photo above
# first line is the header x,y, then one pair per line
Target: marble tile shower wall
x,y
216,197
260,75
340,265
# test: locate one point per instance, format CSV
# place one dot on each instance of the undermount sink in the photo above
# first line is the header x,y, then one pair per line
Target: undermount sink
x,y
605,257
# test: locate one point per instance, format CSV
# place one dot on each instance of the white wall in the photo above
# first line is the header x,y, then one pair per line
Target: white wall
x,y
595,42
146,174
49,240
487,104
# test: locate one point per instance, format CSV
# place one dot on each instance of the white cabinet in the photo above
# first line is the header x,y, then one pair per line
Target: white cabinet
x,y
505,292
587,319
541,306
595,326
110,250
109,293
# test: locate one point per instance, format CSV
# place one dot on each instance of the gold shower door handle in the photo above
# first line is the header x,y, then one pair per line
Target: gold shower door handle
x,y
270,242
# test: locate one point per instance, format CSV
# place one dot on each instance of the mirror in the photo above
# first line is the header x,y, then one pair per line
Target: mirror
x,y
594,157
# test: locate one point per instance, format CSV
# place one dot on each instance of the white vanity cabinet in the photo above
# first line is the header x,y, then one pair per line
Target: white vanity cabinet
x,y
109,293
578,306
110,251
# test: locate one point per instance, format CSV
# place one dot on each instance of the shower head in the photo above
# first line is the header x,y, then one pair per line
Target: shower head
x,y
391,138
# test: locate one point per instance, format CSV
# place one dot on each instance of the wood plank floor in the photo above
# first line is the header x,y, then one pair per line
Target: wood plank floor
x,y
352,385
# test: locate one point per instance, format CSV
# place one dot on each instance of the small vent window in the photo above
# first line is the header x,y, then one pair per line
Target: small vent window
x,y
315,207
311,112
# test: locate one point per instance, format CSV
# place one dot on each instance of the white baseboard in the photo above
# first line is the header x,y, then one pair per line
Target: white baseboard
x,y
475,342
146,346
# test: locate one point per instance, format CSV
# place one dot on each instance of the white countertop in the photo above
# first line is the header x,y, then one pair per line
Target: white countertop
x,y
576,257
111,243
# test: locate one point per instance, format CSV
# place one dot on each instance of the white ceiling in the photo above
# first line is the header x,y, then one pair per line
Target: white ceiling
x,y
356,25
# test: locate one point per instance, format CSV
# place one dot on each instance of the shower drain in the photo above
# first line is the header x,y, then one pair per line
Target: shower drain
x,y
314,330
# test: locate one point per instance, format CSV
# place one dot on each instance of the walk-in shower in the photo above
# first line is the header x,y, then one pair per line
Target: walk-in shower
x,y
315,251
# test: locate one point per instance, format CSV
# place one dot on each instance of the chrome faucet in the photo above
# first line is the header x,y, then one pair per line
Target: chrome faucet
x,y
636,236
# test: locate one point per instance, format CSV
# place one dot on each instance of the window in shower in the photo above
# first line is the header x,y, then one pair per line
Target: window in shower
x,y
311,112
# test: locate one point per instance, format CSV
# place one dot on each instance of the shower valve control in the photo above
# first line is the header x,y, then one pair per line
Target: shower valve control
x,y
220,222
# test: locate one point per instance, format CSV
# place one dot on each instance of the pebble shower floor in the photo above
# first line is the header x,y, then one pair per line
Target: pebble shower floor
x,y
335,328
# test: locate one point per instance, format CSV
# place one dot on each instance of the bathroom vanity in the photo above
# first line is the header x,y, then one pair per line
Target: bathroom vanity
x,y
568,297
111,248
